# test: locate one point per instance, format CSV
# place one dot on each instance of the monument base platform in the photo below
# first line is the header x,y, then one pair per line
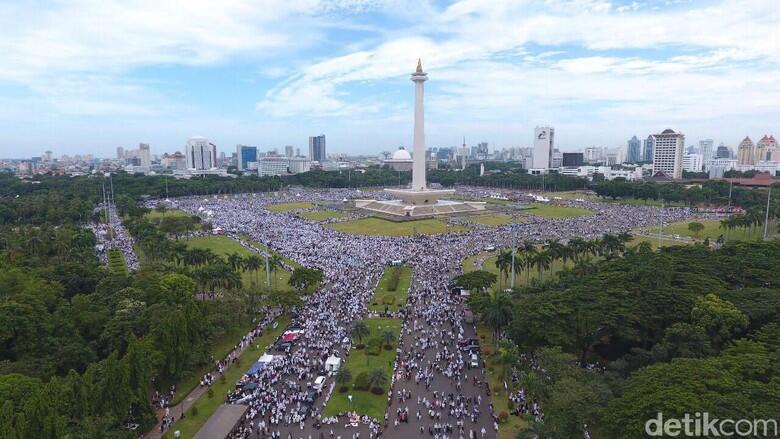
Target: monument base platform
x,y
438,207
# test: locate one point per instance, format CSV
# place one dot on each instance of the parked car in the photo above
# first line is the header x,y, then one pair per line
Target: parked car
x,y
284,346
318,383
474,363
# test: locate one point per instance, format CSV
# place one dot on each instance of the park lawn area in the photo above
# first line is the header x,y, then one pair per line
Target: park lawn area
x,y
116,262
365,402
553,211
653,240
392,300
499,396
374,226
206,406
711,230
270,251
322,215
224,246
155,215
286,207
494,219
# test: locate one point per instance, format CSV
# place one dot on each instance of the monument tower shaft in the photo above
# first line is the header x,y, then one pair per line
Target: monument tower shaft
x,y
418,163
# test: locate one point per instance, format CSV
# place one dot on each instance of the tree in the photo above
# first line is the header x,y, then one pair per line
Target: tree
x,y
496,311
304,278
377,378
504,263
719,318
253,263
478,280
343,377
275,262
695,228
387,337
506,357
360,330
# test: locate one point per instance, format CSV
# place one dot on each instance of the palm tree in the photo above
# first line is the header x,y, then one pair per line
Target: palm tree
x,y
274,263
542,261
504,263
529,252
578,247
253,263
556,250
506,357
343,377
377,378
496,310
386,338
235,261
359,330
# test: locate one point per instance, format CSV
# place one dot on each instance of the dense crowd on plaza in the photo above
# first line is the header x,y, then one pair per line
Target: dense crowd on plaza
x,y
113,235
434,390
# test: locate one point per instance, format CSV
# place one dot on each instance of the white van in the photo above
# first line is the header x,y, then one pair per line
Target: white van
x,y
474,361
319,382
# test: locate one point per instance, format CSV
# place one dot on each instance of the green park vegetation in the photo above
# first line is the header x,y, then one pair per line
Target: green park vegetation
x,y
374,226
367,371
322,215
116,262
392,291
682,329
286,207
733,228
207,404
554,211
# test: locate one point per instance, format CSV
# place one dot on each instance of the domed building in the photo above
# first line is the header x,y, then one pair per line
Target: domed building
x,y
401,160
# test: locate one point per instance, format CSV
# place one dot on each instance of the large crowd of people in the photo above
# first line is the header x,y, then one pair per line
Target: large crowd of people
x,y
435,390
113,235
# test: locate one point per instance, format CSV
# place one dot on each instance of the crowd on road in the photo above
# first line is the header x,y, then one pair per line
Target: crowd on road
x,y
435,390
113,235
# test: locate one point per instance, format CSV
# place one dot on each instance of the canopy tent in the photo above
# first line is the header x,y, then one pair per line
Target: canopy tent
x,y
260,364
333,363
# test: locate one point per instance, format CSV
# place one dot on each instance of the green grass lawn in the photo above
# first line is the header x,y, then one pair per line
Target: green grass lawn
x,y
286,207
499,396
653,240
224,246
116,262
381,227
365,402
554,211
190,425
155,215
322,215
494,219
711,230
391,300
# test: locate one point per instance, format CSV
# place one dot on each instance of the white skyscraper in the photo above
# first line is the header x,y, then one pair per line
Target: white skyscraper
x,y
200,154
144,155
706,149
668,153
544,143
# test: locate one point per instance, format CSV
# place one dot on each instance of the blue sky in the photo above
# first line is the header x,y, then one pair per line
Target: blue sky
x,y
88,76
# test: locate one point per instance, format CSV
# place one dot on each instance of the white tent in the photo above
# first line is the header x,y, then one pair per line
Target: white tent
x,y
333,363
266,358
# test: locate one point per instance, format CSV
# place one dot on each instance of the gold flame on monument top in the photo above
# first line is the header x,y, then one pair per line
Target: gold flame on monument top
x,y
419,65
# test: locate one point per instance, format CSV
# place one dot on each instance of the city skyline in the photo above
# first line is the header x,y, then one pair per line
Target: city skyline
x,y
87,78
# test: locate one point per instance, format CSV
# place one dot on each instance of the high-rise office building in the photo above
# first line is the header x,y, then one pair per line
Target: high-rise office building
x,y
634,151
288,151
648,151
317,148
120,153
145,155
573,159
723,152
200,154
544,142
706,147
244,156
693,162
766,149
268,166
746,152
668,153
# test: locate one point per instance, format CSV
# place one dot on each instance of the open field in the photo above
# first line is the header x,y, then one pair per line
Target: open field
x,y
206,406
286,207
499,396
374,226
711,230
554,211
365,402
322,215
155,215
224,246
383,298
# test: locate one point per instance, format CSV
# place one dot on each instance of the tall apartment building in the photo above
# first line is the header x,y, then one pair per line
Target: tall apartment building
x,y
634,150
288,151
746,152
706,149
648,150
668,153
200,153
317,151
145,155
244,156
544,143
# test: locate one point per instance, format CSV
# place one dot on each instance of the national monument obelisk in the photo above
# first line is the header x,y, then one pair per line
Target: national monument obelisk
x,y
419,201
